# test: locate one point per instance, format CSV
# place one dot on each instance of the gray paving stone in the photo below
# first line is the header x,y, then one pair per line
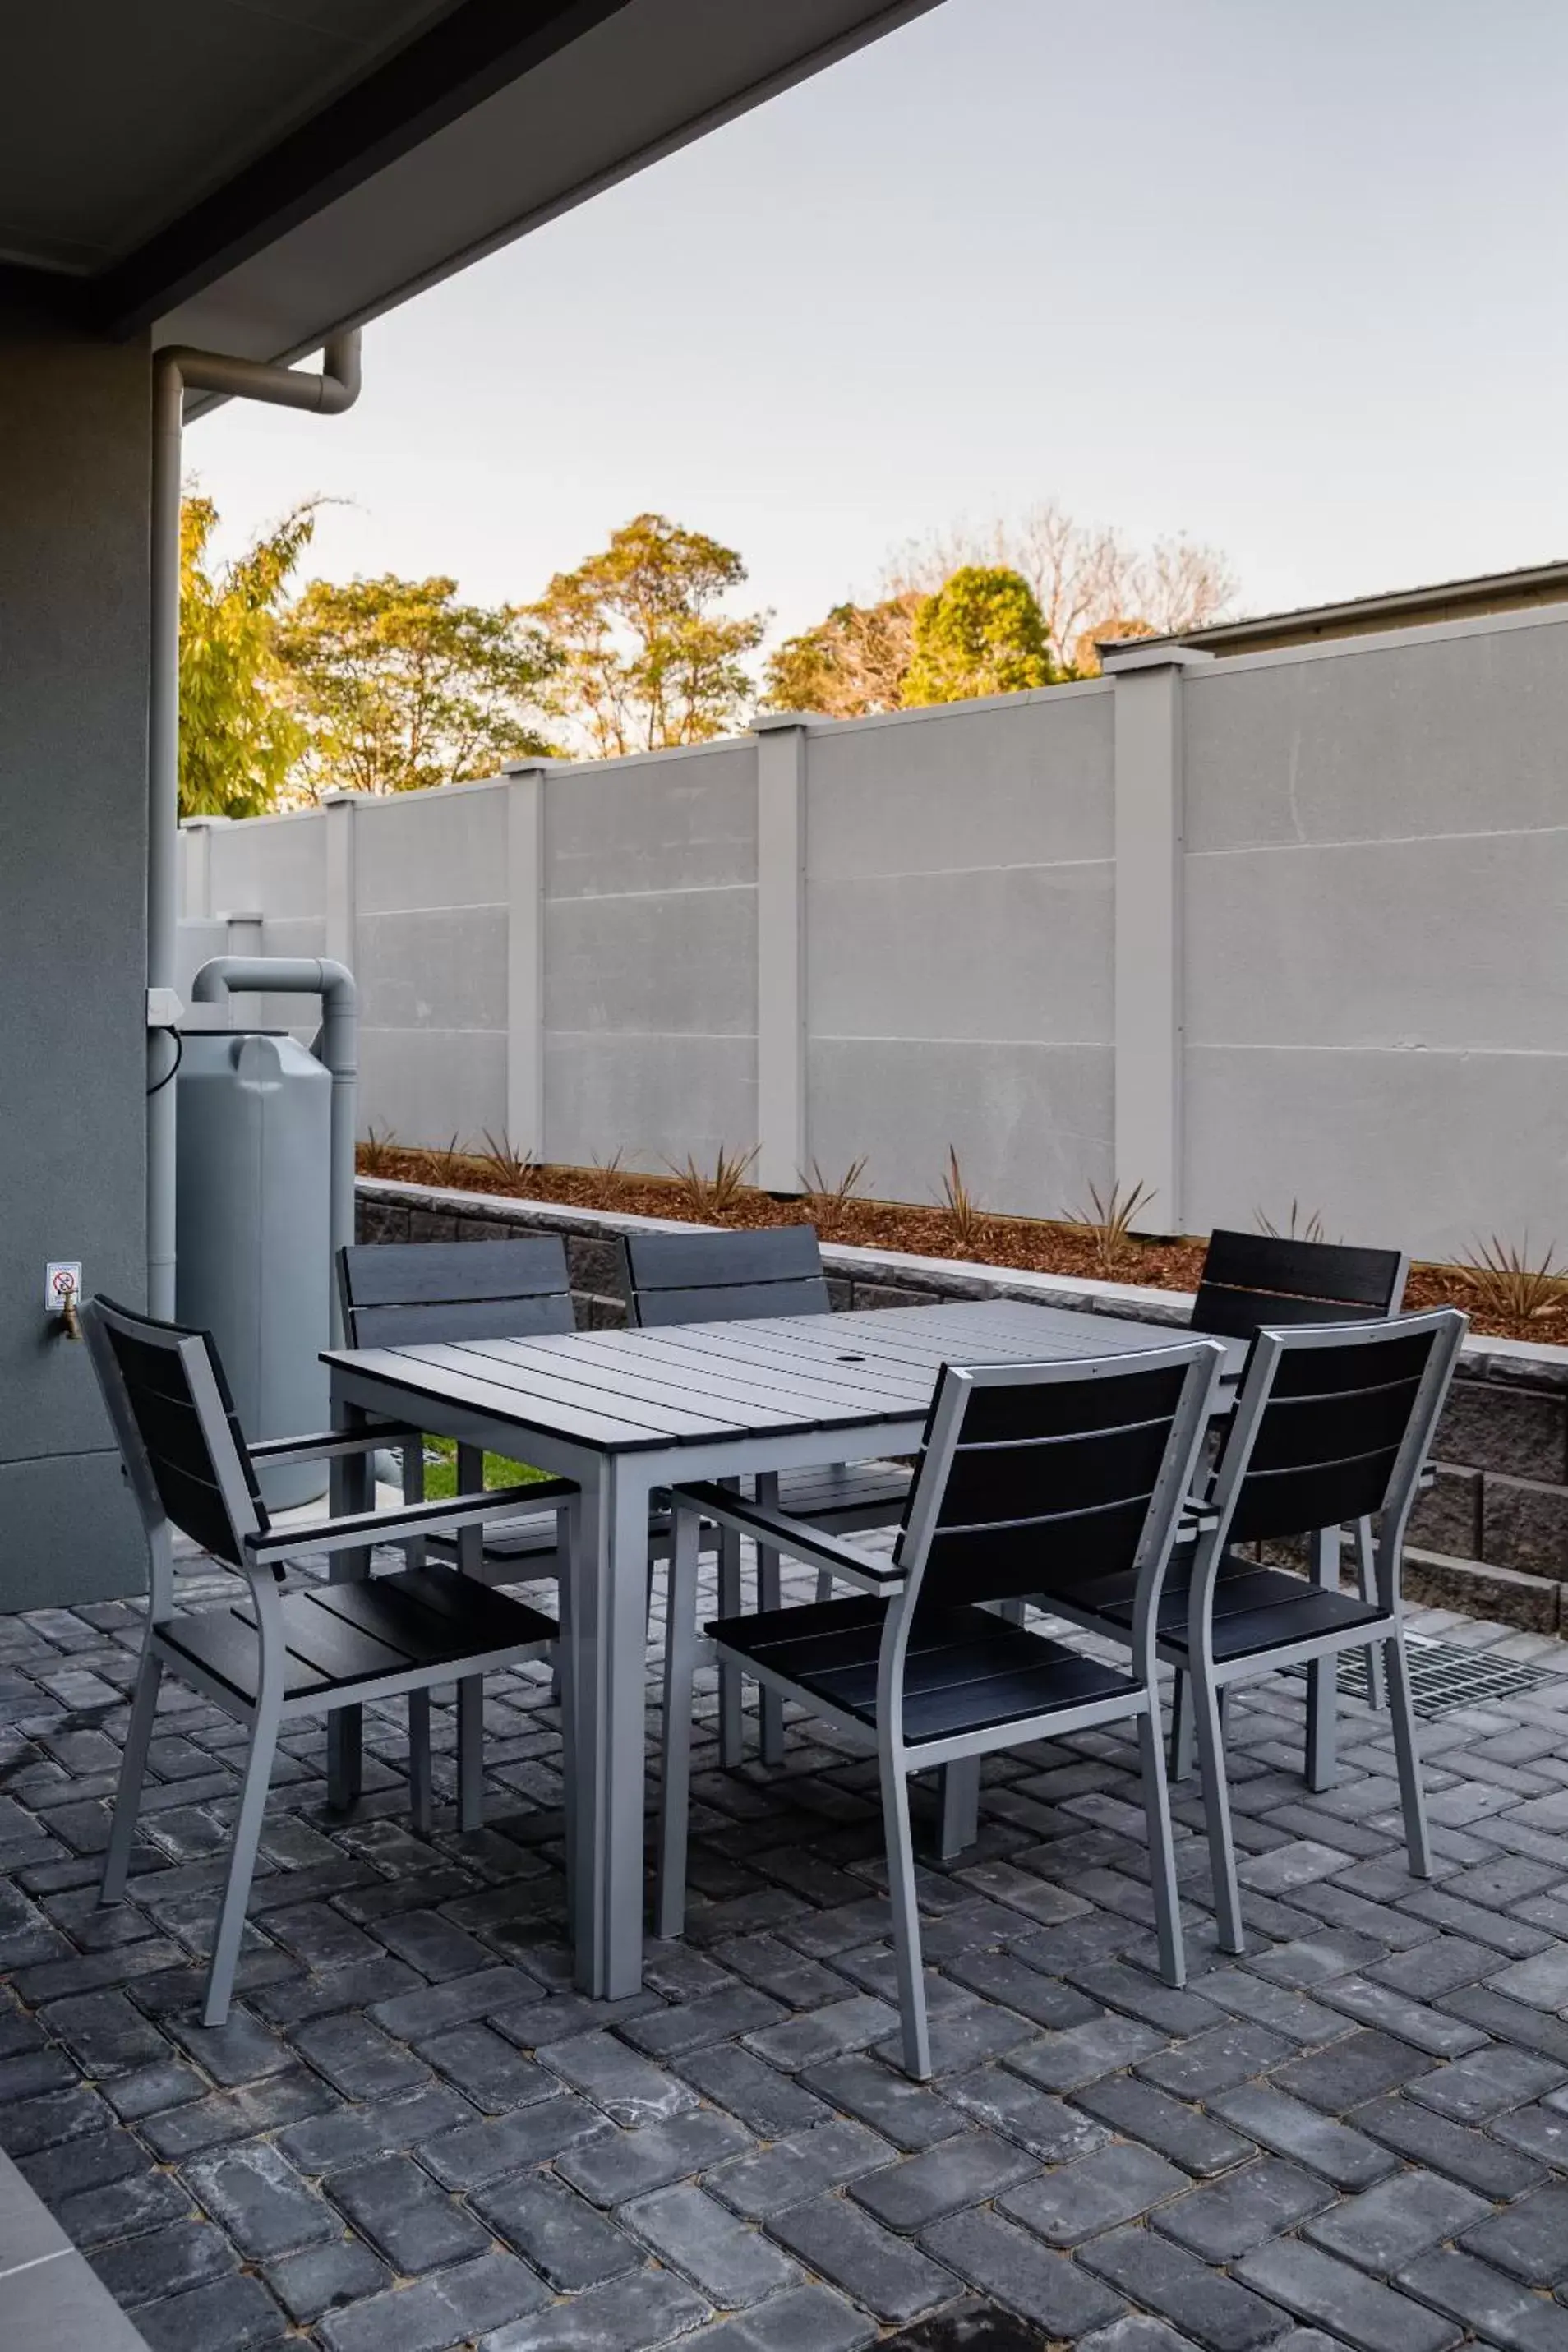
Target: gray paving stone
x,y
821,2033
1139,2332
1496,2308
766,2102
965,2032
1461,2150
1230,2217
1347,2074
106,2032
887,2273
667,2033
242,2051
447,2308
1073,2202
475,2153
1435,1967
628,2314
322,2279
1540,1982
433,1945
149,2090
1227,2053
74,2165
261,2200
630,2089
357,2058
1176,2012
345,2135
1529,2240
566,2240
1383,2228
227,2315
1354,2308
1045,2288
1540,2131
1082,2053
909,2113
487,1992
809,2319
963,2171
1187,2135
1293,2015
406,2216
616,2164
732,2262
1047,2127
121,2208
800,2167
239,2113
1214,2310
487,2068
1286,2128
1492,2012
1488,2080
162,2262
1003,1976
1312,1960
1431,2029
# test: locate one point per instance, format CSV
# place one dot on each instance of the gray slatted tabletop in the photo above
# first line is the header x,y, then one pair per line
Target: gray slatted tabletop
x,y
626,1413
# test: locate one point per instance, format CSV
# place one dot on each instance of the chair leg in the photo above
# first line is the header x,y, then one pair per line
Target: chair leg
x,y
1184,1752
1161,1850
730,1736
132,1768
471,1752
1217,1814
1412,1797
906,1918
242,1861
419,1790
1366,1576
770,1595
824,1584
675,1785
1324,1675
958,1788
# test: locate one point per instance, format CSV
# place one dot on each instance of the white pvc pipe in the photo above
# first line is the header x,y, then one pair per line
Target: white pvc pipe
x,y
335,389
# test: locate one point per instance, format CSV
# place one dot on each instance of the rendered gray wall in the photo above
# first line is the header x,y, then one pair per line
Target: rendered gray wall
x,y
74,447
1295,936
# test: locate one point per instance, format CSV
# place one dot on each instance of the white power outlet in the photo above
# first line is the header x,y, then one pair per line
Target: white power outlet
x,y
62,1280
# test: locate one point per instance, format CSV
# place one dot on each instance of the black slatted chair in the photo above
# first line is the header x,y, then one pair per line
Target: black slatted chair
x,y
715,1276
1080,1467
1256,1281
272,1656
1333,1424
407,1294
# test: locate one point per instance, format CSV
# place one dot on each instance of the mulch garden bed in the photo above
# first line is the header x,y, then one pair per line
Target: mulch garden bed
x,y
1040,1245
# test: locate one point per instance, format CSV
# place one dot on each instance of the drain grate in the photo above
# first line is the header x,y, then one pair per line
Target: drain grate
x,y
1442,1678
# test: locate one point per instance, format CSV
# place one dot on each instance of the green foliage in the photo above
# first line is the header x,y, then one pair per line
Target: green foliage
x,y
398,685
644,657
981,632
850,665
238,737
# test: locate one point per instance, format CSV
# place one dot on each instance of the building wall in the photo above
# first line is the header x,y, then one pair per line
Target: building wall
x,y
1336,979
74,453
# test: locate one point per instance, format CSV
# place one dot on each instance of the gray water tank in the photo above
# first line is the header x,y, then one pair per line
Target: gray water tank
x,y
252,1245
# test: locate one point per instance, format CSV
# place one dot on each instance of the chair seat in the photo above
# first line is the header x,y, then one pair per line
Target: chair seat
x,y
966,1670
847,1496
531,1538
342,1638
1254,1610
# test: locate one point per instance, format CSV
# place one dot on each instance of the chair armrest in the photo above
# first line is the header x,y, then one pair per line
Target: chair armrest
x,y
358,1528
803,1541
332,1443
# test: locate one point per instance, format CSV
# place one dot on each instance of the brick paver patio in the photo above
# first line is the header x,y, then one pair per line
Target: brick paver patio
x,y
413,2136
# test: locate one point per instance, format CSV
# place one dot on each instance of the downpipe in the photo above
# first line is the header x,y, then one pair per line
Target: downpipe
x,y
176,370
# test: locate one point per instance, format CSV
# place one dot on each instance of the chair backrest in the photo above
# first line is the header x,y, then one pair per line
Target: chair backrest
x,y
716,1277
178,1430
1332,1425
1035,1477
1251,1282
398,1294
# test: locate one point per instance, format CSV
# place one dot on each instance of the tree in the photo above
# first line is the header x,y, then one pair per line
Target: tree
x,y
644,658
981,632
850,665
398,685
1088,579
237,737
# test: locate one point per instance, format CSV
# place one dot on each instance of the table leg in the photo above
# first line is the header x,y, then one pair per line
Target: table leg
x,y
607,1677
1323,1675
351,1488
470,1480
770,1595
958,1788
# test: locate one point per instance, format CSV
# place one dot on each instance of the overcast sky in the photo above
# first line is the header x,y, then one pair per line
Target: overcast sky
x,y
1286,278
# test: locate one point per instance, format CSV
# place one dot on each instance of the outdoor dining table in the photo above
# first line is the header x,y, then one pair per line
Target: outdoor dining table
x,y
626,1413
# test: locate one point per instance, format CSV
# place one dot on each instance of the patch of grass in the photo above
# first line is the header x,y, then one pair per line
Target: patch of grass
x,y
1302,1226
827,1198
1509,1284
1108,1222
380,1154
963,1213
515,1171
441,1470
715,1195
